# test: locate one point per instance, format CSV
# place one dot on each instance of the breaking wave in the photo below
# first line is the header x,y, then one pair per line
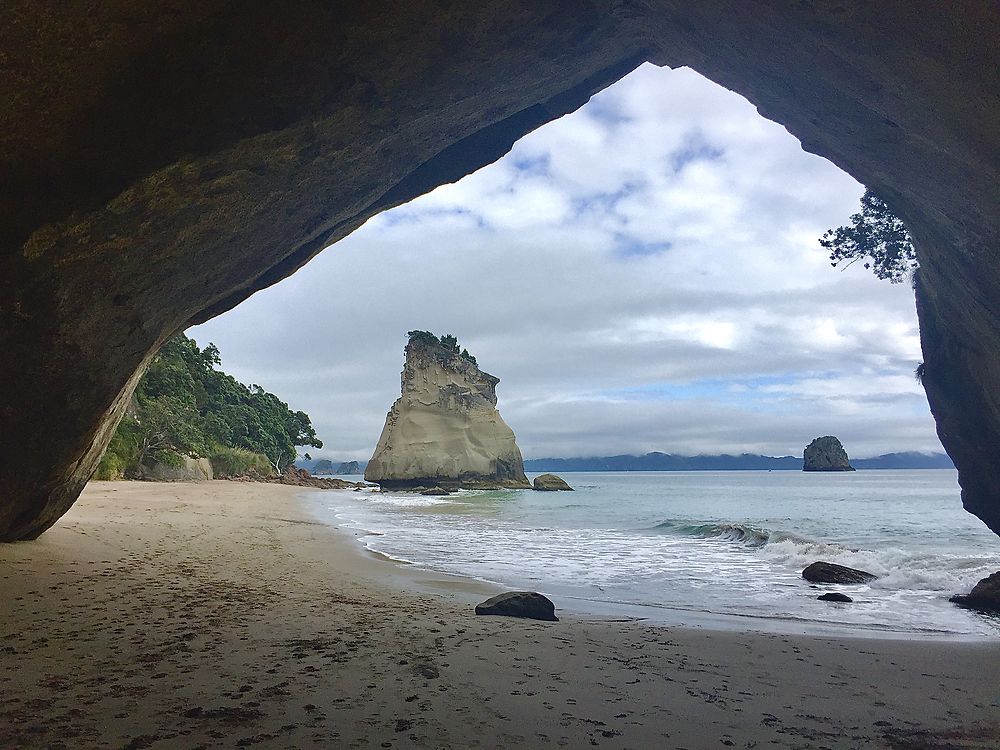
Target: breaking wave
x,y
742,533
896,568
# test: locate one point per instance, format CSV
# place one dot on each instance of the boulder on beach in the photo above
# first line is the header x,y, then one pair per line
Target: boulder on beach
x,y
444,430
550,483
985,595
186,469
824,572
528,604
834,596
825,454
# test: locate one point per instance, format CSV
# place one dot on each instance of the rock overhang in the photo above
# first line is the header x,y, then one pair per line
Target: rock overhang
x,y
162,163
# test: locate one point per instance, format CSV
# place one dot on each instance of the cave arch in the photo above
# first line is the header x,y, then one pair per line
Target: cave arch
x,y
162,164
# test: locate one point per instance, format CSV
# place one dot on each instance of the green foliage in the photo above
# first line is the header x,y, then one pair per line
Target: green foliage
x,y
122,454
877,237
238,462
184,406
447,341
423,337
450,343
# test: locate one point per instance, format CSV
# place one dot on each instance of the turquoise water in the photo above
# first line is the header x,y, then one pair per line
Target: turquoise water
x,y
691,546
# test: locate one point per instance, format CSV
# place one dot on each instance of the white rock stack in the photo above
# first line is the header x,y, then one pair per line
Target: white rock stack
x,y
445,430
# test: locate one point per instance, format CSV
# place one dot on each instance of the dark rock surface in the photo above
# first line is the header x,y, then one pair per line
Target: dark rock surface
x,y
163,162
436,491
302,478
526,604
550,483
834,596
985,595
825,454
824,572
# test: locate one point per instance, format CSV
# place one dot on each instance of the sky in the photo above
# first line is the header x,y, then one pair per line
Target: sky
x,y
642,274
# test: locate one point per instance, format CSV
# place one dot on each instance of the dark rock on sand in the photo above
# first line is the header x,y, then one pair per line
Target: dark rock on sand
x,y
834,596
302,478
527,604
824,572
985,595
550,483
825,454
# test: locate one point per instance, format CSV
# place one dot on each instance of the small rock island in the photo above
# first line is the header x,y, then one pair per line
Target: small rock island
x,y
825,454
444,430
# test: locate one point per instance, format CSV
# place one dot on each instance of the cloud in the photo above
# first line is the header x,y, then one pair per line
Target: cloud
x,y
643,274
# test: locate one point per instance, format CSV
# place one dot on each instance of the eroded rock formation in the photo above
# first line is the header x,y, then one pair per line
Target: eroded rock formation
x,y
161,162
444,431
825,454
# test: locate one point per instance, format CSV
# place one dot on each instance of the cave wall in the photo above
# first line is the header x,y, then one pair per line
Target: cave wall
x,y
162,161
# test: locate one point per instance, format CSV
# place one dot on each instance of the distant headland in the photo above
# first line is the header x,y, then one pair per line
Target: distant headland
x,y
657,461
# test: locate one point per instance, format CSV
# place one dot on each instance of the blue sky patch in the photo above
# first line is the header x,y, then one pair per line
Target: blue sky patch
x,y
694,148
629,247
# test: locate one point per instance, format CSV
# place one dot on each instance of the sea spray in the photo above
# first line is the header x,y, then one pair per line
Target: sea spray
x,y
727,545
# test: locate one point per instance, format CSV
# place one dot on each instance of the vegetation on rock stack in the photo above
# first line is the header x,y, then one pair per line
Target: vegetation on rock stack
x,y
448,341
183,406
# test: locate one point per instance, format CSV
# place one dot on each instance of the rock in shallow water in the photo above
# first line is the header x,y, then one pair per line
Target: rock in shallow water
x,y
825,454
550,483
529,604
824,572
985,595
834,596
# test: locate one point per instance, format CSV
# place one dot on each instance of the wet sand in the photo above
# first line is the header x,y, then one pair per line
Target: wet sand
x,y
222,614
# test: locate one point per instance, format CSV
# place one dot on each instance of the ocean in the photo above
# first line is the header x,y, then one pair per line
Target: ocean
x,y
716,549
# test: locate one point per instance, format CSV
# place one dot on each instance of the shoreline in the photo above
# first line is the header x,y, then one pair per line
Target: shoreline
x,y
657,615
222,614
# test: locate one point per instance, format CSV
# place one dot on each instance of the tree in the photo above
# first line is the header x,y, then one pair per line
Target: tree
x,y
877,237
449,342
183,406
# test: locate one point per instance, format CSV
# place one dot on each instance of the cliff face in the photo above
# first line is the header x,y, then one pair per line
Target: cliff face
x,y
825,454
445,429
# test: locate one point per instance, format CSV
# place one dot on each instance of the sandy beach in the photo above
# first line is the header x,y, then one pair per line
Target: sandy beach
x,y
222,614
